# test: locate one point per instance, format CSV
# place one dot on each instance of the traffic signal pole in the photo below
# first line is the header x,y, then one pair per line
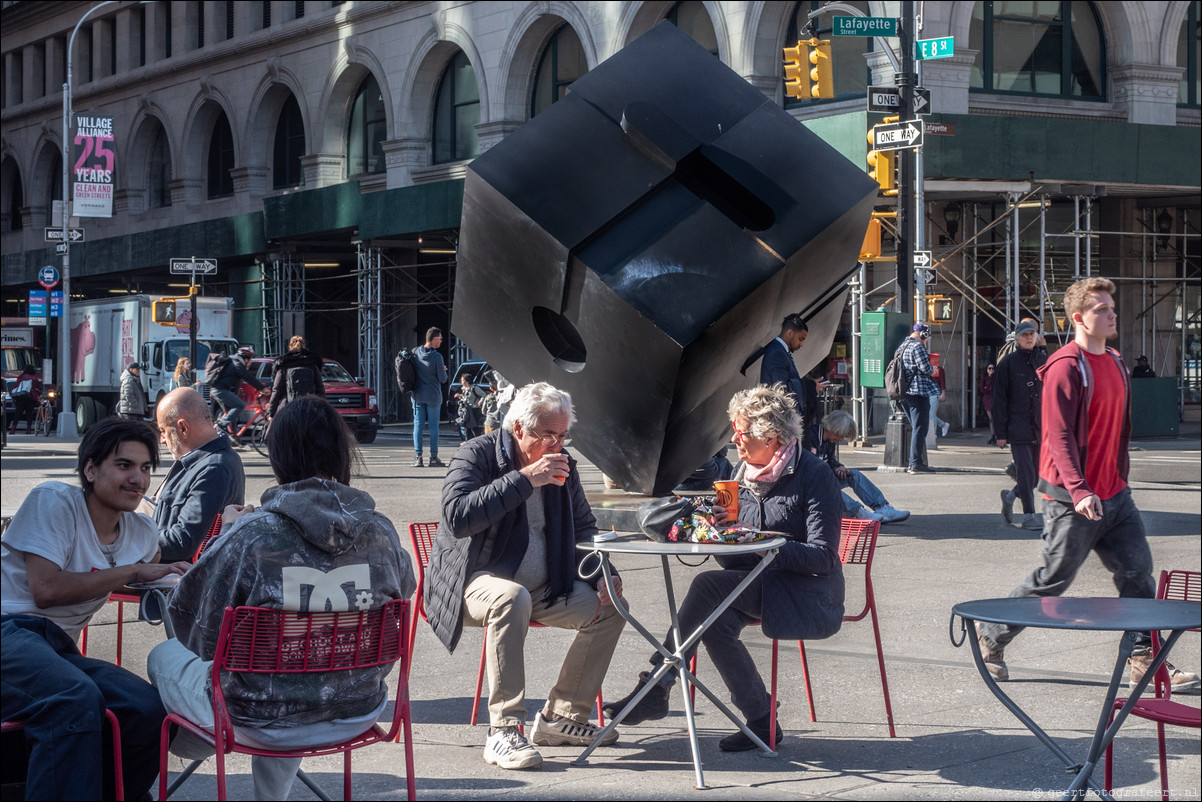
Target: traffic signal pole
x,y
905,80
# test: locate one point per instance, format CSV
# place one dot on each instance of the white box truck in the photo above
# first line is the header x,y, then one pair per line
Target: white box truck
x,y
108,335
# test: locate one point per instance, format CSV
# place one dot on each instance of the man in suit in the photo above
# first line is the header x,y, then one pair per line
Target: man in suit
x,y
778,366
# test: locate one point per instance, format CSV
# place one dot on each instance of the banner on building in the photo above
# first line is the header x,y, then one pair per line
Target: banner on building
x,y
94,166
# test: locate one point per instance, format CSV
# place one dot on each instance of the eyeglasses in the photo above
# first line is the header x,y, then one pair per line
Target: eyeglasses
x,y
552,439
740,434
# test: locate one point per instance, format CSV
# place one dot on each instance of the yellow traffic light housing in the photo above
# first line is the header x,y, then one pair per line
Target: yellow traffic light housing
x,y
822,79
163,311
940,309
796,80
871,248
882,167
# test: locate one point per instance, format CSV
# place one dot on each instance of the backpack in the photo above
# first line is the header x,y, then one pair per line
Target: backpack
x,y
300,381
215,366
24,388
406,371
895,376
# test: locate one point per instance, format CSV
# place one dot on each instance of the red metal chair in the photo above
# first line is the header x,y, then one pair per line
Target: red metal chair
x,y
857,546
123,599
1177,586
422,537
118,774
259,640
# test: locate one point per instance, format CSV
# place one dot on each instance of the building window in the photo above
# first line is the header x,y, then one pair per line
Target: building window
x,y
229,19
140,25
562,63
266,15
200,25
457,113
13,195
692,18
166,29
366,130
221,158
55,174
1051,49
300,9
158,171
1189,54
289,146
848,67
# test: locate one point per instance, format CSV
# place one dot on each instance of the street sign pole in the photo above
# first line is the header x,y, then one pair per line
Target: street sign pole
x,y
920,284
905,81
193,324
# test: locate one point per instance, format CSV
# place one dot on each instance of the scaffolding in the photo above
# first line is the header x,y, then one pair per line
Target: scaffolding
x,y
283,277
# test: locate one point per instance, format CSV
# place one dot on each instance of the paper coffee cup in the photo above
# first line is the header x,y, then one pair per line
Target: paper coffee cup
x,y
728,497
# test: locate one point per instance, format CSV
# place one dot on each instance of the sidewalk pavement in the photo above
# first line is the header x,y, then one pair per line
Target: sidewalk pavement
x,y
954,739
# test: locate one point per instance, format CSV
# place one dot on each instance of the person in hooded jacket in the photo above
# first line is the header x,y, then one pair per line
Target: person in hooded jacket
x,y
300,367
1016,402
309,526
132,401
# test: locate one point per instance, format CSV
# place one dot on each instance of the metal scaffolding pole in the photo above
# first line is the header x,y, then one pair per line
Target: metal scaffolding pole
x,y
370,298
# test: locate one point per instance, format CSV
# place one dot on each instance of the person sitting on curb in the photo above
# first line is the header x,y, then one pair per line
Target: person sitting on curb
x,y
838,427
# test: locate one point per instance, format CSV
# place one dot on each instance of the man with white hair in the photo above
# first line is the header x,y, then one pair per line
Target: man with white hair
x,y
513,510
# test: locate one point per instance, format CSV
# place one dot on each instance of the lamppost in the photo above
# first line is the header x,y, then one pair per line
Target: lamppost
x,y
66,420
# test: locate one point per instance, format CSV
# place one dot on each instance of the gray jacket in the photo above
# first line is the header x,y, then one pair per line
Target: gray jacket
x,y
431,376
197,488
284,556
133,397
483,513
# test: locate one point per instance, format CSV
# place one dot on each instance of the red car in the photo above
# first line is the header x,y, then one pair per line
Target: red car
x,y
358,405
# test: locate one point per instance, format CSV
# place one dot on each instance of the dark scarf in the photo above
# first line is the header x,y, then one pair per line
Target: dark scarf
x,y
513,531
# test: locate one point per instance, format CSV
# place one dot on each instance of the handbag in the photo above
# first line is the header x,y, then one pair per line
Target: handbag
x,y
689,520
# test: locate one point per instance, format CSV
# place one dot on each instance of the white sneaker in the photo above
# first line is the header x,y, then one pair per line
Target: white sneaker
x,y
946,426
563,731
889,515
865,514
507,748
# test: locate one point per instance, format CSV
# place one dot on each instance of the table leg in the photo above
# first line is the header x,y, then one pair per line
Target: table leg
x,y
1103,735
681,663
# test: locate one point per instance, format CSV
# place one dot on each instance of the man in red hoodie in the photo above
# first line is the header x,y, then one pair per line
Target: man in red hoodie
x,y
1083,466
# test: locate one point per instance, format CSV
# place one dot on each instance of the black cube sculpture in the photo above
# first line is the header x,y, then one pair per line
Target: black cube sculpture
x,y
634,243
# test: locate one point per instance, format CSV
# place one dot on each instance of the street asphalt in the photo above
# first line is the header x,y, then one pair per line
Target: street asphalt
x,y
954,739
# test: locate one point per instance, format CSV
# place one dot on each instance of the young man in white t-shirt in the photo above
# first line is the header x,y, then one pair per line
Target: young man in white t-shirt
x,y
65,551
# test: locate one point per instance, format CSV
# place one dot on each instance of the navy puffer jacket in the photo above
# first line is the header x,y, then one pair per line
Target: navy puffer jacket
x,y
803,586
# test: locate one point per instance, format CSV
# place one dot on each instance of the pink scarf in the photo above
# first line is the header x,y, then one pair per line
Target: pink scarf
x,y
770,473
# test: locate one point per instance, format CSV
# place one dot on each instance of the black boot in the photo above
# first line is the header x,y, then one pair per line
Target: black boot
x,y
651,707
739,742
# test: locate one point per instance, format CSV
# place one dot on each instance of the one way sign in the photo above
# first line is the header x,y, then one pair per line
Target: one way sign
x,y
897,136
196,264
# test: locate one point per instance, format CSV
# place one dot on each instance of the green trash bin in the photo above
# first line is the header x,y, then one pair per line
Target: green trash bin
x,y
1154,410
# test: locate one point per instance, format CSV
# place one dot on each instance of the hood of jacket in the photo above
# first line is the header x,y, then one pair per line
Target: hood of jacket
x,y
330,515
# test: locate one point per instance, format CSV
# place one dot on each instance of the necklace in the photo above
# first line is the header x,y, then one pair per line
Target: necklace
x,y
110,549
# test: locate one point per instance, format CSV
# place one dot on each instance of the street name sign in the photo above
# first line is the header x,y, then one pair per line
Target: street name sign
x,y
865,26
194,265
934,48
897,136
922,258
56,235
888,99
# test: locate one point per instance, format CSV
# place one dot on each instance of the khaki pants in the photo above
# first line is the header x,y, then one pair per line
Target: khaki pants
x,y
507,609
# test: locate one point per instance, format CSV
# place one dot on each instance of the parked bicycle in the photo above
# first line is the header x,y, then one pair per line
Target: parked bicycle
x,y
43,423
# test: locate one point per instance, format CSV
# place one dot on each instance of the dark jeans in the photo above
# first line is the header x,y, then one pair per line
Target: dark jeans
x,y
61,696
1068,538
24,408
1025,473
721,640
918,410
232,405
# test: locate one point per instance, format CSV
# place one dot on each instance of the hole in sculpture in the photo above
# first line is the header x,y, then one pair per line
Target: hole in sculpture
x,y
560,338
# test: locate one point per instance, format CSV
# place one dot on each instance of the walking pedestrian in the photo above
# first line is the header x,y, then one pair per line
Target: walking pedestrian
x,y
1016,413
427,398
987,399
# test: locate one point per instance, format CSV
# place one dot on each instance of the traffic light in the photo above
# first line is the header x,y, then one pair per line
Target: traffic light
x,y
940,309
882,167
796,83
163,311
822,80
871,248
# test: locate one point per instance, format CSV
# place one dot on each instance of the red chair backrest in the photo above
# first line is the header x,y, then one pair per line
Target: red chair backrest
x,y
422,536
857,540
1174,586
214,530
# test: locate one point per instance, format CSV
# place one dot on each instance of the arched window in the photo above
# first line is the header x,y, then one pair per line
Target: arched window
x,y
366,130
562,62
158,171
221,158
1189,54
1054,49
55,185
14,195
289,147
457,113
692,18
848,67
